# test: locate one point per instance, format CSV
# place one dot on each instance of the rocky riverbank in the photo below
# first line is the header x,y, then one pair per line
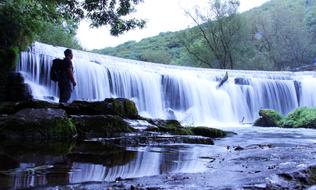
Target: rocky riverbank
x,y
111,118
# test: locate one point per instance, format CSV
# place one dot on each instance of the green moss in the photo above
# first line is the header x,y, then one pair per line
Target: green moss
x,y
300,118
174,127
207,132
269,118
19,128
130,108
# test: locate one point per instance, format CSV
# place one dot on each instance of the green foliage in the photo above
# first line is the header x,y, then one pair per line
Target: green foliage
x,y
279,35
303,117
55,22
300,118
58,36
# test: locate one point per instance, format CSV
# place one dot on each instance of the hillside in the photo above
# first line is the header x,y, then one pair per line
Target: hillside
x,y
278,35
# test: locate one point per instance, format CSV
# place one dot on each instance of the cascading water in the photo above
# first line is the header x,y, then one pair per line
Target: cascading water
x,y
187,94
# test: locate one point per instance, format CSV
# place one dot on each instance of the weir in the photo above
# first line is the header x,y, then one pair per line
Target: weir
x,y
187,94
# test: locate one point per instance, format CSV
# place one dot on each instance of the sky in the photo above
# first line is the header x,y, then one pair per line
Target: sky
x,y
160,16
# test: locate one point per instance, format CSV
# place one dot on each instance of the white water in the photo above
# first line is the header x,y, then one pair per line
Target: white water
x,y
172,92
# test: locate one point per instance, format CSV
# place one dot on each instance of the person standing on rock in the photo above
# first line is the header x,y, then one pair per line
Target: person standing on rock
x,y
67,81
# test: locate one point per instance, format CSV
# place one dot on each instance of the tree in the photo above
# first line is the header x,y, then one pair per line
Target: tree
x,y
282,36
219,33
25,18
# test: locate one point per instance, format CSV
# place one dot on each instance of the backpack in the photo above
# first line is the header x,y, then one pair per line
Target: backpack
x,y
55,71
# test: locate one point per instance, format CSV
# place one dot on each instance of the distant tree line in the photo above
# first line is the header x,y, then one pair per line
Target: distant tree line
x,y
279,35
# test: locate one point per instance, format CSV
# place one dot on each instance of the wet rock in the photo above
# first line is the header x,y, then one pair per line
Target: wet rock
x,y
119,106
175,128
90,126
301,179
268,118
242,81
32,123
238,148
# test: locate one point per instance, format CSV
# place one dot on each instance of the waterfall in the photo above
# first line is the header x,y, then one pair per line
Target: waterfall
x,y
187,94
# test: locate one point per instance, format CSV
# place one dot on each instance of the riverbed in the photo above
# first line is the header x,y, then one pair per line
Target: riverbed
x,y
254,158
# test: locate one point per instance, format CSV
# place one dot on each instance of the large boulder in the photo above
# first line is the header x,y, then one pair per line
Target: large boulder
x,y
90,126
300,118
268,118
119,106
44,123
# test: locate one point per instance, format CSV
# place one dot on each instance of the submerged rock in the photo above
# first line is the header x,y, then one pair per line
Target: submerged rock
x,y
32,123
268,118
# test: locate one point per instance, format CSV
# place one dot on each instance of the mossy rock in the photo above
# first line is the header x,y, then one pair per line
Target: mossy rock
x,y
172,127
119,106
89,126
268,118
300,118
38,124
208,132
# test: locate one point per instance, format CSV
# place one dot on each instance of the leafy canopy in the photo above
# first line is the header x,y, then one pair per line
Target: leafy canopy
x,y
22,20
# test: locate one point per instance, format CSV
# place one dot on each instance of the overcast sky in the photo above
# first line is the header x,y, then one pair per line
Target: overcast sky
x,y
160,15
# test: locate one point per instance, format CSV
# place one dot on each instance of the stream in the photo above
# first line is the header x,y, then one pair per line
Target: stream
x,y
254,158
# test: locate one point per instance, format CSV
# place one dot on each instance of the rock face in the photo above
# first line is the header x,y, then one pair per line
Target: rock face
x,y
268,118
299,118
18,90
46,123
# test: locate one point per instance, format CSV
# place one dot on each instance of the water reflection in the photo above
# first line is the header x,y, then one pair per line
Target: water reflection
x,y
32,165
